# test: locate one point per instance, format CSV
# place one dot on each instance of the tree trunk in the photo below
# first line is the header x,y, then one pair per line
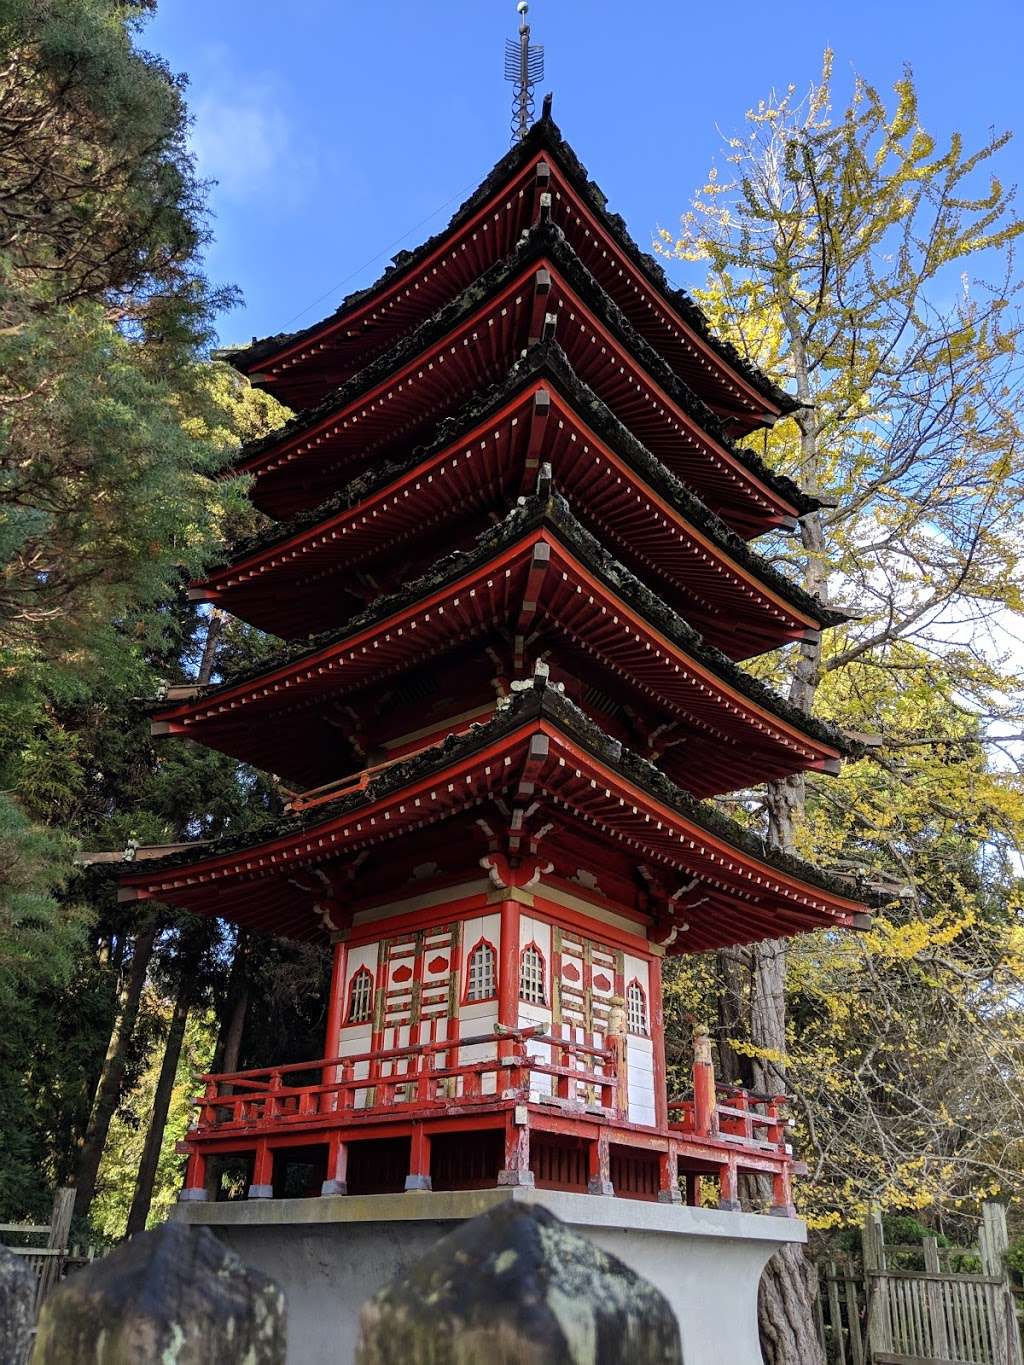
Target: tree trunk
x,y
214,630
789,1284
733,970
143,1197
108,1092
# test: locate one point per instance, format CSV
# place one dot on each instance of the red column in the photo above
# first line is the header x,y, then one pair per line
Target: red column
x,y
508,970
668,1175
335,1006
599,1165
195,1178
419,1160
337,1166
262,1186
658,1044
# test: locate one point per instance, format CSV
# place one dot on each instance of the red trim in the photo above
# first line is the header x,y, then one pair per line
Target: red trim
x,y
481,942
335,1005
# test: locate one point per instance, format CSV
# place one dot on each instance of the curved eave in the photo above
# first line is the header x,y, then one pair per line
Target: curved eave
x,y
590,782
469,344
483,229
539,568
278,585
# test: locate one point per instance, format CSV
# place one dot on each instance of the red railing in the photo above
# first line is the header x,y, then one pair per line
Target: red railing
x,y
420,1077
735,1115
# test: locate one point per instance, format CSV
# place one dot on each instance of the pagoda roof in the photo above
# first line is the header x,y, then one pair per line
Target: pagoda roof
x,y
412,279
685,543
469,342
467,594
744,889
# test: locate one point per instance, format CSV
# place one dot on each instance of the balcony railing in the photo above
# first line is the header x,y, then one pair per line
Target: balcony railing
x,y
421,1077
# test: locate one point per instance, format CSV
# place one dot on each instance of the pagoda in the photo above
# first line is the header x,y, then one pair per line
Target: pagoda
x,y
512,571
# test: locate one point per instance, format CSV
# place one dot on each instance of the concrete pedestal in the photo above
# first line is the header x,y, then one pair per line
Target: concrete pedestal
x,y
331,1254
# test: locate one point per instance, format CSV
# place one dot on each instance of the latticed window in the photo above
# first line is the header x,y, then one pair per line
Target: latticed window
x,y
636,1008
481,973
531,976
360,997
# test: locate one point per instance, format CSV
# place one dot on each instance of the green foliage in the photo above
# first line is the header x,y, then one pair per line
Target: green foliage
x,y
123,1150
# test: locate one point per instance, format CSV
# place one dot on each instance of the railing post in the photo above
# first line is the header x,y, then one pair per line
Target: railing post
x,y
616,1040
782,1196
704,1119
270,1104
335,1007
419,1159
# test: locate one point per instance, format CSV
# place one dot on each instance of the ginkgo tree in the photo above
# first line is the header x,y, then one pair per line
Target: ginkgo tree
x,y
843,252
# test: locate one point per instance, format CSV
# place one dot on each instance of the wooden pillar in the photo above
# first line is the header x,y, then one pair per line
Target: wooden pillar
x,y
728,1185
419,1160
599,1165
658,1044
668,1175
782,1197
262,1186
517,1148
194,1187
693,1189
336,1175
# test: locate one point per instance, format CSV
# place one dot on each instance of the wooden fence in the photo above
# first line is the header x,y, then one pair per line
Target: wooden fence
x,y
44,1246
882,1313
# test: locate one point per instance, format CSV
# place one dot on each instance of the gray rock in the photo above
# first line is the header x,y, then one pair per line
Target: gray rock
x,y
517,1286
173,1295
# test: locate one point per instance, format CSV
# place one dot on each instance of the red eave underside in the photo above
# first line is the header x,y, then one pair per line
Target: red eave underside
x,y
628,643
422,497
637,400
578,785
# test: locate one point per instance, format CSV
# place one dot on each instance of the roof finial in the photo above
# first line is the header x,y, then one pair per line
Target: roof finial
x,y
524,65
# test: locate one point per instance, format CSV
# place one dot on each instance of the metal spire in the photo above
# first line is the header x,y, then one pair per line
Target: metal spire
x,y
524,65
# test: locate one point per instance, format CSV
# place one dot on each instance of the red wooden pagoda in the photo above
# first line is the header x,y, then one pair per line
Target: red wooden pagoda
x,y
511,560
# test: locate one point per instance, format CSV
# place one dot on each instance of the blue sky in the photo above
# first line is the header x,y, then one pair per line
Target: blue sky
x,y
341,130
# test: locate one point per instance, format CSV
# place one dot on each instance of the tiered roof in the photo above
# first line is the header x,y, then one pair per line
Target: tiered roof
x,y
479,460
513,556
299,367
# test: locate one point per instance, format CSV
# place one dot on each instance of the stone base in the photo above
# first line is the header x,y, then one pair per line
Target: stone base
x,y
334,1187
604,1187
261,1191
186,1196
417,1182
331,1255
